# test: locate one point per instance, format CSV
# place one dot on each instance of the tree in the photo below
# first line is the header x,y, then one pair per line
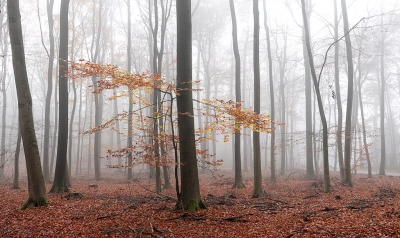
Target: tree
x,y
36,186
257,189
61,182
338,97
238,163
130,106
327,186
16,159
190,198
271,88
350,73
46,142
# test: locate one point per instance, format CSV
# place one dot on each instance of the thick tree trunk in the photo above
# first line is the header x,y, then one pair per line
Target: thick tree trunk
x,y
36,185
327,186
190,194
61,180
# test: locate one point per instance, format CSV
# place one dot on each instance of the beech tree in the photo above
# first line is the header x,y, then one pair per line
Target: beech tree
x,y
61,177
237,159
190,198
350,73
327,185
257,189
36,184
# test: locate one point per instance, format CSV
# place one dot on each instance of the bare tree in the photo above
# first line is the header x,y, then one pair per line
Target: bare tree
x,y
350,72
190,198
271,88
238,163
61,182
327,186
257,189
36,185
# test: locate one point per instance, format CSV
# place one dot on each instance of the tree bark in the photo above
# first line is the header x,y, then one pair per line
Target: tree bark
x,y
190,194
327,186
272,102
350,72
36,185
257,189
238,164
61,182
338,98
16,161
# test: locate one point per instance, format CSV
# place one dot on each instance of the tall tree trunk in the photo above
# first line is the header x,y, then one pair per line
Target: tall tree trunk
x,y
71,122
46,170
53,152
382,103
78,160
338,98
190,194
350,72
61,182
327,186
4,112
16,159
257,189
36,185
238,163
272,102
130,105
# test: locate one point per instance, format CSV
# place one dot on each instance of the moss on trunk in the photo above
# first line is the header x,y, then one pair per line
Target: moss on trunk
x,y
31,203
194,206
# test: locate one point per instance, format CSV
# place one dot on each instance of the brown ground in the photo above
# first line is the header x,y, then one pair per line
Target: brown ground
x,y
292,207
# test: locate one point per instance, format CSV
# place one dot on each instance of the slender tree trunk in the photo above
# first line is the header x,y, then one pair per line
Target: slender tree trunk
x,y
16,161
61,181
350,72
327,185
271,88
53,153
46,170
338,98
257,189
71,122
130,105
78,160
238,164
36,184
382,104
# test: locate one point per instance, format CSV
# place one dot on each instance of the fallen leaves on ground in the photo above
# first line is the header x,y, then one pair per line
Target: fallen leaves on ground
x,y
292,207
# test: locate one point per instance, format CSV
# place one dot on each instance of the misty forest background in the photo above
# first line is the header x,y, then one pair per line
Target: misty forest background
x,y
98,32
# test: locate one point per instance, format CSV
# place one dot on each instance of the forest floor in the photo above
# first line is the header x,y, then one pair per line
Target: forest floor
x,y
292,207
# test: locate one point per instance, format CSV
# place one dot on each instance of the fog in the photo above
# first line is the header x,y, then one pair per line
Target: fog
x,y
374,32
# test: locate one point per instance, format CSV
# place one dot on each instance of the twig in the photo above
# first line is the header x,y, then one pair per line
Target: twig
x,y
158,194
275,200
236,218
173,236
108,215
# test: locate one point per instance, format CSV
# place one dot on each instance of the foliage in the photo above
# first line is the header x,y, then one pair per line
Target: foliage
x,y
291,207
224,113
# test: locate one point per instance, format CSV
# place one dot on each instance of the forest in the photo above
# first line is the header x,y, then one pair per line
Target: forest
x,y
199,118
